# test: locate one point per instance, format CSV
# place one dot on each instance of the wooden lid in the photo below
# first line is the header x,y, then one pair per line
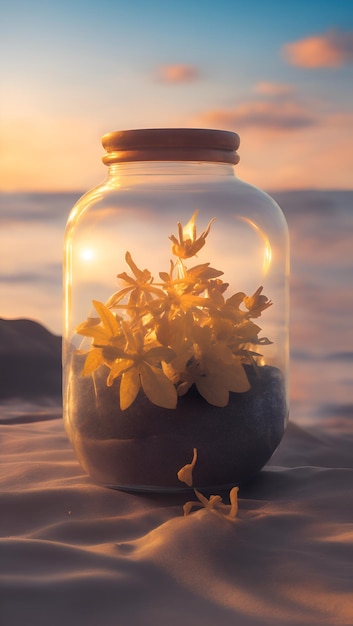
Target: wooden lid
x,y
171,144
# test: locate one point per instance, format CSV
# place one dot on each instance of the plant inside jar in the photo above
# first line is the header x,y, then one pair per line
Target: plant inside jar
x,y
174,364
166,336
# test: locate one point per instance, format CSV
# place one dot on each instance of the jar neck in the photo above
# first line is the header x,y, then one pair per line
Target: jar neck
x,y
151,171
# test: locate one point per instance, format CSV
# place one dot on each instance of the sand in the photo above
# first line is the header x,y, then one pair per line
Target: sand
x,y
75,553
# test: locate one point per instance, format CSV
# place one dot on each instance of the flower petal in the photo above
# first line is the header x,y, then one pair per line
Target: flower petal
x,y
117,297
98,333
202,498
236,299
129,388
108,318
157,387
93,360
247,331
227,377
141,275
233,496
159,353
235,378
118,368
188,506
185,472
209,388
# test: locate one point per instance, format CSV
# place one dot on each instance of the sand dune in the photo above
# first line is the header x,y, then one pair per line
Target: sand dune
x,y
75,553
30,360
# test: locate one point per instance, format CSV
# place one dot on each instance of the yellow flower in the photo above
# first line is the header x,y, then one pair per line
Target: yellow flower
x,y
123,351
107,338
213,503
140,288
214,370
200,276
179,332
185,473
180,297
256,303
142,368
188,245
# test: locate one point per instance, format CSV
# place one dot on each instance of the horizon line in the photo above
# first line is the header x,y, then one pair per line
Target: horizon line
x,y
81,192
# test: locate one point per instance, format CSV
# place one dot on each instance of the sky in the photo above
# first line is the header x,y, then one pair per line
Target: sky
x,y
278,73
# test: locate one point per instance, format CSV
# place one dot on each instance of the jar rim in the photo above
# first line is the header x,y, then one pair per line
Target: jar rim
x,y
171,144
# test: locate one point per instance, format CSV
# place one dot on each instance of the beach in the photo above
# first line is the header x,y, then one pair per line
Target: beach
x,y
74,552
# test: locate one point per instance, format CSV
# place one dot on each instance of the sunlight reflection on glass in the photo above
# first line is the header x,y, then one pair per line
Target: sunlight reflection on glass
x,y
87,254
267,249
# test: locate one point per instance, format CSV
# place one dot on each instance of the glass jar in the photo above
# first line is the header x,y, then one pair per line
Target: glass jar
x,y
176,316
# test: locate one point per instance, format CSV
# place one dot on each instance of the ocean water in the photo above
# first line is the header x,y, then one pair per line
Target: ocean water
x,y
321,231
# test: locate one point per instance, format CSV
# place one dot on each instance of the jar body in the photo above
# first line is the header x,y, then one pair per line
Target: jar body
x,y
136,210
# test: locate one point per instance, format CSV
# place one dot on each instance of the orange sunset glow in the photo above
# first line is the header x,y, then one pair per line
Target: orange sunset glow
x,y
176,338
289,96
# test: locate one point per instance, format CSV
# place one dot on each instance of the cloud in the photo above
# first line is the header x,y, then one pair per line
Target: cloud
x,y
332,49
16,209
178,73
285,140
50,274
275,108
266,115
278,90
